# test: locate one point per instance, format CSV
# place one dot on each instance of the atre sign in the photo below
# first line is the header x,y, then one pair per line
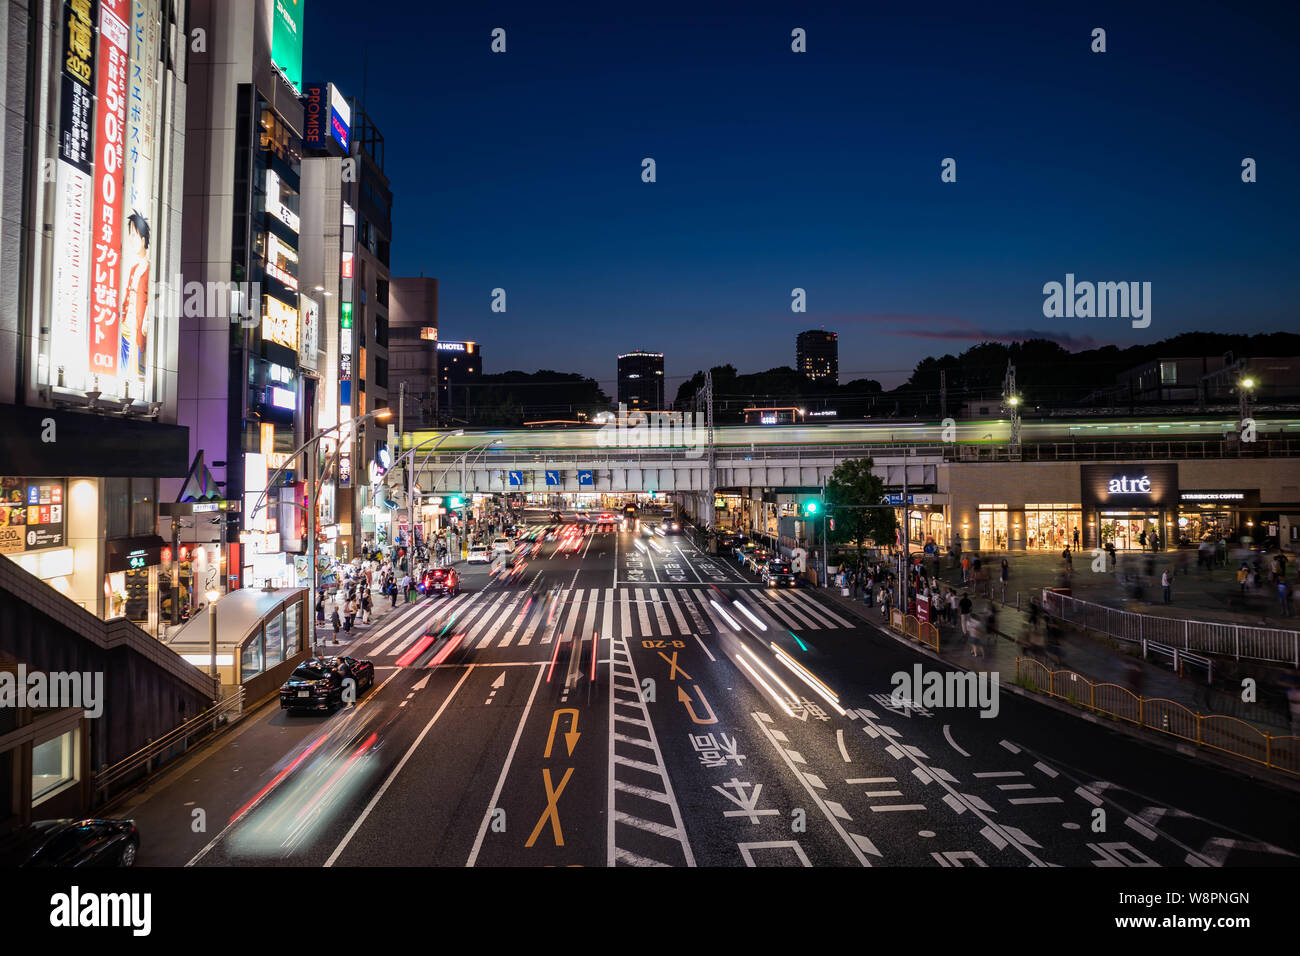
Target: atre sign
x,y
1145,485
1130,486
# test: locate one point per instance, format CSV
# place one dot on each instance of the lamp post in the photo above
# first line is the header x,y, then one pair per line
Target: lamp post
x,y
411,469
313,494
1245,388
462,459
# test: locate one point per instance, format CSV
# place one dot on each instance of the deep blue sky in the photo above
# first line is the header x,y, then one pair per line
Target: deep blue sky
x,y
821,170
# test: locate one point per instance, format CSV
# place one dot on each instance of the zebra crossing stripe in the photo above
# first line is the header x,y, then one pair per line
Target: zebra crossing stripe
x,y
677,612
539,619
607,623
643,614
798,612
811,607
395,627
625,612
660,616
511,618
589,623
821,609
777,612
487,617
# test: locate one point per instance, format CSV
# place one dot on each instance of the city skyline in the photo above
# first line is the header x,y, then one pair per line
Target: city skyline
x,y
821,171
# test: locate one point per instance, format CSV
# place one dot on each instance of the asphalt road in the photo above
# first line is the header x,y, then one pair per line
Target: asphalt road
x,y
628,700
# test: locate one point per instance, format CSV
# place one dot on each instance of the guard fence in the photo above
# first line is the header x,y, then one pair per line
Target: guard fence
x,y
1216,732
1238,641
910,626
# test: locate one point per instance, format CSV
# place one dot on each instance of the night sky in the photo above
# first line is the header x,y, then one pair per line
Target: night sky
x,y
822,170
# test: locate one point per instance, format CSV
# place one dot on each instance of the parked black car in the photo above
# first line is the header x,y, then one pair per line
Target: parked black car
x,y
71,843
318,684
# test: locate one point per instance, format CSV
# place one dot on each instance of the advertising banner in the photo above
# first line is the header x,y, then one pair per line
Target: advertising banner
x,y
286,40
309,333
136,230
106,221
31,514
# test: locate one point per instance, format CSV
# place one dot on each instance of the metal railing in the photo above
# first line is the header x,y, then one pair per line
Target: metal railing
x,y
1228,735
1238,641
143,761
909,626
1126,450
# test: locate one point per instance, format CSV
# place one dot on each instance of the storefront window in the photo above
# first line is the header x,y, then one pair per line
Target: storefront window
x,y
53,765
993,527
250,664
1053,527
1129,531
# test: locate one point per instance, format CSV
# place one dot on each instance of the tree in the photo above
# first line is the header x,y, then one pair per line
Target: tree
x,y
851,487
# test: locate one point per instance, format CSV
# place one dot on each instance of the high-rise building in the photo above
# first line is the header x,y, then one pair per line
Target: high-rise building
x,y
91,297
459,364
817,355
246,394
641,380
413,349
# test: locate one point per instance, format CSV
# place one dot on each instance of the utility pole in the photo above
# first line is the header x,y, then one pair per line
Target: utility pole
x,y
907,560
1011,404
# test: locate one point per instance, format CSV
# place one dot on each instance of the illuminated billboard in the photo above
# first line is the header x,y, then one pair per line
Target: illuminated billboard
x,y
101,308
280,323
327,118
286,40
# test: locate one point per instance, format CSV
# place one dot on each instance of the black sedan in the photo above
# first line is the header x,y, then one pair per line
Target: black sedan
x,y
71,843
778,573
441,581
318,684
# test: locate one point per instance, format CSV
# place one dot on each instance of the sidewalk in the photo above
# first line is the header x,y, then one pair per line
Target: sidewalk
x,y
1099,661
1197,594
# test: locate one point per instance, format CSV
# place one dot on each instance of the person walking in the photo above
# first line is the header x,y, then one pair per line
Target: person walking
x,y
1076,539
349,615
964,608
320,606
1284,596
334,619
1243,574
406,586
1166,582
1004,572
965,569
366,606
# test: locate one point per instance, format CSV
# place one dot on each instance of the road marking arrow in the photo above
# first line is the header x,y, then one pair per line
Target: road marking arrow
x,y
685,698
570,738
421,684
499,682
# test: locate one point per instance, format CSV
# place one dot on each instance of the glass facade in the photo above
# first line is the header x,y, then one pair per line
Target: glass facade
x,y
993,527
1053,527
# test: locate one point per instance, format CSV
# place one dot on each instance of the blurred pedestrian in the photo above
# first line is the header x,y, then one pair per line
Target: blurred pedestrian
x,y
334,620
1166,582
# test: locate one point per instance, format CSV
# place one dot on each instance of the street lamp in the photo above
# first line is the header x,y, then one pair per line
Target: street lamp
x,y
314,492
1245,388
462,459
410,471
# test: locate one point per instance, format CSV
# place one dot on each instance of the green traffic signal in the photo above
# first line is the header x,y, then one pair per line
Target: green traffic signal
x,y
811,507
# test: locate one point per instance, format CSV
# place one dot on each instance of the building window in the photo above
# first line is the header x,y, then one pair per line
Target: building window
x,y
117,507
250,664
1168,373
54,766
144,507
274,641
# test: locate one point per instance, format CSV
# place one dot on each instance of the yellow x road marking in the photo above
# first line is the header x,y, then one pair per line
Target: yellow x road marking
x,y
674,670
552,809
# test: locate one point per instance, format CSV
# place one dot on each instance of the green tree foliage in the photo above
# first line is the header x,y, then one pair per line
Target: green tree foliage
x,y
852,485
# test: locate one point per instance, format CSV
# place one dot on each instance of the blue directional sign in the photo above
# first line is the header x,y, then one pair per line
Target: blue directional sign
x,y
516,477
552,477
585,478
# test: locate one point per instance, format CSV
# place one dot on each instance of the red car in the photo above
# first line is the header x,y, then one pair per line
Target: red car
x,y
440,581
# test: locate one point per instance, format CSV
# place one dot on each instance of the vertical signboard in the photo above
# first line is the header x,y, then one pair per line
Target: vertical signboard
x,y
106,221
309,333
136,229
73,196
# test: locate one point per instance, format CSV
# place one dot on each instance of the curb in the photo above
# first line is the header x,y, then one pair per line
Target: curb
x,y
1243,767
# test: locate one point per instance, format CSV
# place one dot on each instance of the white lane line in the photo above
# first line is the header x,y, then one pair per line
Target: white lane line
x,y
1015,786
589,622
658,829
996,774
574,610
501,780
821,804
687,561
347,838
639,791
1010,746
905,807
706,650
839,739
947,735
855,780
630,858
1046,769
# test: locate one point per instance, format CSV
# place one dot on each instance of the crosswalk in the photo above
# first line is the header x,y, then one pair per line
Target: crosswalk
x,y
501,618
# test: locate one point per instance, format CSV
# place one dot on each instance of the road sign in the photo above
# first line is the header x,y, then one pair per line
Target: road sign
x,y
516,477
585,478
552,477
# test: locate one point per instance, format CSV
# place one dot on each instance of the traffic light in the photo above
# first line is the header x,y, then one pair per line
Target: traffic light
x,y
811,508
832,523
